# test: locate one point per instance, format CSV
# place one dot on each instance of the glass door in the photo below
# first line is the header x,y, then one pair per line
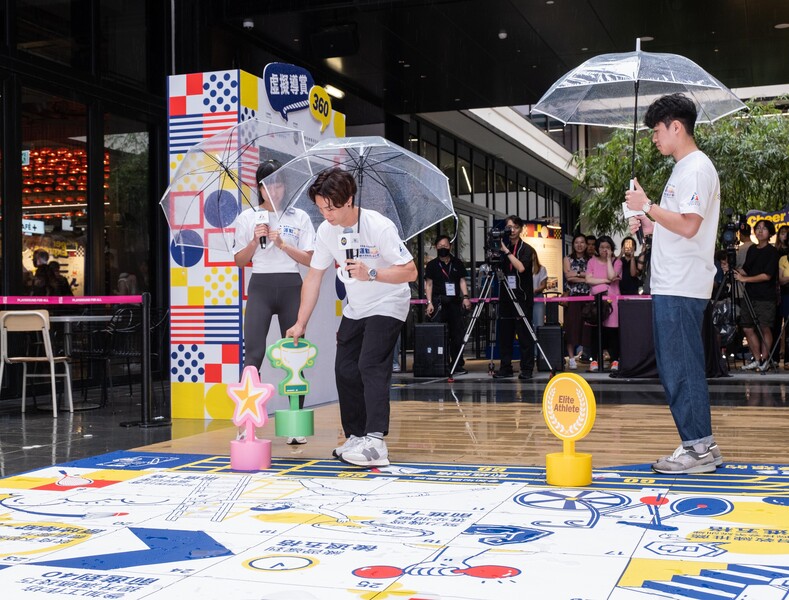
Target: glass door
x,y
54,194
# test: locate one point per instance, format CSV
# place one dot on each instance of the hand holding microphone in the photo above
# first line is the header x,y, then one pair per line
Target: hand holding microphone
x,y
261,221
635,207
349,241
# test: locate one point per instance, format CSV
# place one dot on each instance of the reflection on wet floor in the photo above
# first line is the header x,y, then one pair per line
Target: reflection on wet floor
x,y
36,439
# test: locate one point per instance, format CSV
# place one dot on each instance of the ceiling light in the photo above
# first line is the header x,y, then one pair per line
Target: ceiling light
x,y
334,92
647,38
782,26
503,34
584,49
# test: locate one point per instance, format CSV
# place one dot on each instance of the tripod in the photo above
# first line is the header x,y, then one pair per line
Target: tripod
x,y
730,288
487,286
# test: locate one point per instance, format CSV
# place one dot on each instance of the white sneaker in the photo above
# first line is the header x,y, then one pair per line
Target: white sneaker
x,y
349,443
751,365
369,452
296,441
572,364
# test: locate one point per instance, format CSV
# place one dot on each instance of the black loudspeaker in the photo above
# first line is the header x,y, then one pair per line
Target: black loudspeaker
x,y
551,339
431,350
337,40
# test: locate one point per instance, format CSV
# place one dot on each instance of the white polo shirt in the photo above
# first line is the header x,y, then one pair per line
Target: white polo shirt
x,y
380,247
295,228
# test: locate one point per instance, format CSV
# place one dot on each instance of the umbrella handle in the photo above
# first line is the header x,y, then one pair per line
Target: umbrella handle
x,y
343,276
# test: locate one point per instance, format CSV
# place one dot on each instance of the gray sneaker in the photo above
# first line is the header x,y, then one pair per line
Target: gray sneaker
x,y
369,452
349,443
684,461
714,450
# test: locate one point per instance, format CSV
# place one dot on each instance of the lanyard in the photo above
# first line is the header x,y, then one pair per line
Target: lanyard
x,y
515,252
446,274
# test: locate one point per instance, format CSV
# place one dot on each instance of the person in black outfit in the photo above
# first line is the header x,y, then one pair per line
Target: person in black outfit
x,y
447,295
516,267
759,273
628,286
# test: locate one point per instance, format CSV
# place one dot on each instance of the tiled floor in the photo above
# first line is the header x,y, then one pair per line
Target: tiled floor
x,y
35,439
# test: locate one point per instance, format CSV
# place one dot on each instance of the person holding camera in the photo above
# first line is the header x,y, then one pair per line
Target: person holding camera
x,y
276,248
447,296
759,273
685,228
516,267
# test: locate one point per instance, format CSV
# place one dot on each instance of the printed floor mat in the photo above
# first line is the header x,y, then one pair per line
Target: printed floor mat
x,y
131,525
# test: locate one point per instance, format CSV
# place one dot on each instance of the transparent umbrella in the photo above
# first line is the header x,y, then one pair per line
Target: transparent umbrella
x,y
215,181
412,192
615,90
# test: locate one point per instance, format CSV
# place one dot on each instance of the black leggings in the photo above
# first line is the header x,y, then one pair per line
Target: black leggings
x,y
269,294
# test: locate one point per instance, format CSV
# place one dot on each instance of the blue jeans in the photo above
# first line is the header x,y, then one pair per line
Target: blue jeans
x,y
679,349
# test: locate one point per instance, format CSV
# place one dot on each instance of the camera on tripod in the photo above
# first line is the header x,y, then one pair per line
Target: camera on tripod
x,y
493,243
729,235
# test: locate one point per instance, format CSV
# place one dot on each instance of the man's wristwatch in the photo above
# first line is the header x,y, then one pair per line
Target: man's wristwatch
x,y
647,207
372,274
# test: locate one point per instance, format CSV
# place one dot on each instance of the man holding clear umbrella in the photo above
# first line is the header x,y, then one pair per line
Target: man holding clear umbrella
x,y
378,303
684,227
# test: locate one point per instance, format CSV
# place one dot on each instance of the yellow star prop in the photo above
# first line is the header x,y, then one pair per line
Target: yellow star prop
x,y
250,397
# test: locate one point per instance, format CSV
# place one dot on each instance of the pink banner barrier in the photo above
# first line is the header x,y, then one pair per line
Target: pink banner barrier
x,y
555,299
64,300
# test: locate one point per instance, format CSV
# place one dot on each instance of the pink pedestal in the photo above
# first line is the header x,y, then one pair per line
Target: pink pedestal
x,y
250,454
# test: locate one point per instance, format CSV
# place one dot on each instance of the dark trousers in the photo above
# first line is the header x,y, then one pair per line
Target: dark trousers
x,y
508,327
451,313
363,369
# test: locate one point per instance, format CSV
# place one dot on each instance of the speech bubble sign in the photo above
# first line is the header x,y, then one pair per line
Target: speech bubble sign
x,y
320,106
287,87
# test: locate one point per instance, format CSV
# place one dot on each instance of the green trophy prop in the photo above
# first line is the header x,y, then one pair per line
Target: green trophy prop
x,y
291,357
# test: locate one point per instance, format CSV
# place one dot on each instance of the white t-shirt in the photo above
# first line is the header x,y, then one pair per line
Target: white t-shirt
x,y
537,279
295,228
681,266
379,247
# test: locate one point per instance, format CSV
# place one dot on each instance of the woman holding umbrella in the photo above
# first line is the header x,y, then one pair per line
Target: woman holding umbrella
x,y
276,247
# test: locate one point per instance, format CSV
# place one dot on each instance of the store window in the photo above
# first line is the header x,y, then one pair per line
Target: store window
x,y
57,30
480,180
523,194
127,206
123,46
464,172
446,159
500,190
428,144
54,194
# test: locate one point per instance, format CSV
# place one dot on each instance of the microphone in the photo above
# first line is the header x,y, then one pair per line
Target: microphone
x,y
262,219
350,242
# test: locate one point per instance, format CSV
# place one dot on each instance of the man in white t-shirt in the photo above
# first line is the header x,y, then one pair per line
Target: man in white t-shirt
x,y
684,227
378,301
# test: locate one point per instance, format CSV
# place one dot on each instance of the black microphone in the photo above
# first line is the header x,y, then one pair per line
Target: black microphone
x,y
349,248
262,219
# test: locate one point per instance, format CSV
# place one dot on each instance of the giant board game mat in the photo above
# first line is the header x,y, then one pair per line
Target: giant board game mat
x,y
131,525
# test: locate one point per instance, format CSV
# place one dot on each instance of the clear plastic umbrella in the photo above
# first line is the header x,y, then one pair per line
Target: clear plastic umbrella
x,y
215,181
400,185
615,90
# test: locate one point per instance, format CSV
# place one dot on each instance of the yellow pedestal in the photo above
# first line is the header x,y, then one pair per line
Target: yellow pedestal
x,y
568,470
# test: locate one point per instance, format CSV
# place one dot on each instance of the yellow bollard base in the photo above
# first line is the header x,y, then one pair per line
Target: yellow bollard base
x,y
568,470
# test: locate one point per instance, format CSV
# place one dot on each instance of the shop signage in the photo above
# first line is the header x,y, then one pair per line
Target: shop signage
x,y
31,227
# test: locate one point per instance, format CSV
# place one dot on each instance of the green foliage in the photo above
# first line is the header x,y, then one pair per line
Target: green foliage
x,y
748,149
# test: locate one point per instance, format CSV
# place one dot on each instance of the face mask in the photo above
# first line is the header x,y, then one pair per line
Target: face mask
x,y
443,252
